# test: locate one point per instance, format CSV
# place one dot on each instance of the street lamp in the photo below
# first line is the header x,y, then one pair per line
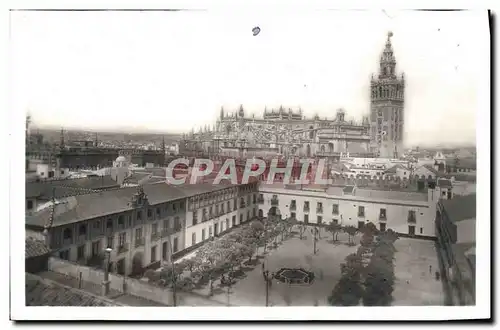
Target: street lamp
x,y
268,278
105,283
314,232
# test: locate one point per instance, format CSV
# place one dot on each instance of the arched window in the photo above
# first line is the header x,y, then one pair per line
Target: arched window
x,y
311,133
322,148
330,147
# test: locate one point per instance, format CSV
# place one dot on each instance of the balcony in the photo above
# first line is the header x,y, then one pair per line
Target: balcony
x,y
139,242
122,248
242,205
293,207
412,220
275,202
361,214
382,217
155,236
319,210
306,208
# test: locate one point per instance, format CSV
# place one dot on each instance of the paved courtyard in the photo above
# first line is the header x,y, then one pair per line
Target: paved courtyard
x,y
415,285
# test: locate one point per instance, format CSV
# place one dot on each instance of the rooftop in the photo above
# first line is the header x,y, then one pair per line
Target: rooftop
x,y
68,187
43,292
460,207
35,248
98,204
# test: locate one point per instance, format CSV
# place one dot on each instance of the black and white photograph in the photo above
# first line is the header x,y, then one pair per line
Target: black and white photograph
x,y
278,164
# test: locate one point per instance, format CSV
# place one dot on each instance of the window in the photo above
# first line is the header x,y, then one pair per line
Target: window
x,y
210,231
195,217
411,216
175,247
110,242
229,206
382,214
293,205
382,226
306,206
421,230
121,221
254,198
109,224
361,211
82,230
177,223
320,220
248,215
181,205
80,253
150,213
411,230
122,238
153,254
227,223
306,218
96,248
165,224
154,229
30,205
203,234
293,215
158,212
361,224
319,208
241,218
335,221
174,207
254,213
51,174
139,215
234,220
138,234
222,209
335,209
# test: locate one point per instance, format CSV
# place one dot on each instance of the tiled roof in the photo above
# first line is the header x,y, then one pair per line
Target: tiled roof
x,y
43,292
88,206
35,248
68,187
460,207
394,168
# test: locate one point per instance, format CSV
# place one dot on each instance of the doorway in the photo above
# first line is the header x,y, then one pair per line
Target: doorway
x,y
216,229
411,230
382,226
120,266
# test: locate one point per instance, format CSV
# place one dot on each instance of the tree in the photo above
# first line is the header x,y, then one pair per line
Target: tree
x,y
369,232
351,231
192,264
348,290
334,229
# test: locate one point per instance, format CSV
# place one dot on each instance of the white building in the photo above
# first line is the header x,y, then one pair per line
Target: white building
x,y
405,212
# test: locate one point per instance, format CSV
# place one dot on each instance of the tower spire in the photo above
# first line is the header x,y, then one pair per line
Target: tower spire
x,y
388,60
61,144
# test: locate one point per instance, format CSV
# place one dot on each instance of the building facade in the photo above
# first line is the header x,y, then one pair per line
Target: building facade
x,y
403,212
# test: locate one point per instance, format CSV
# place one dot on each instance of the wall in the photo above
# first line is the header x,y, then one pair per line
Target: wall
x,y
464,188
134,287
396,213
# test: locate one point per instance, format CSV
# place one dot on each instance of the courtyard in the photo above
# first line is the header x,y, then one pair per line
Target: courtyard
x,y
415,282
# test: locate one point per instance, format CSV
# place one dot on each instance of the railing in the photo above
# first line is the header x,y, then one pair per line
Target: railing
x,y
139,242
242,205
122,248
260,200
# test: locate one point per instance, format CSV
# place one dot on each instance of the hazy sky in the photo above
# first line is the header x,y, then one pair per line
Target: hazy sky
x,y
170,71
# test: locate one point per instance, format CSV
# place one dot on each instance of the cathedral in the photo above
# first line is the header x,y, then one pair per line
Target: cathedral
x,y
289,133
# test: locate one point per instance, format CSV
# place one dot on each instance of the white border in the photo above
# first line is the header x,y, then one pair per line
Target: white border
x,y
16,156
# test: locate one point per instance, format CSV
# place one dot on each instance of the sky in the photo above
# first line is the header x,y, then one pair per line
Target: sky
x,y
172,71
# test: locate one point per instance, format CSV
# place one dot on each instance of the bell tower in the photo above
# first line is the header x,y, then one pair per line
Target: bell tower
x,y
387,106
